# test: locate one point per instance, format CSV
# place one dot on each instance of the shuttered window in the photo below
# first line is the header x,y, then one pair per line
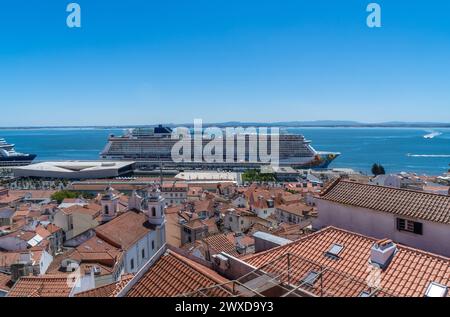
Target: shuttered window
x,y
409,226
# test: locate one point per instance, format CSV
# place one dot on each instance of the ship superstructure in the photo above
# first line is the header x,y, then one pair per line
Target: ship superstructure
x,y
9,156
153,146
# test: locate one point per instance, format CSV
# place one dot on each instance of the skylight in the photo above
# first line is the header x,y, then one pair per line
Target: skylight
x,y
364,294
311,278
334,250
436,290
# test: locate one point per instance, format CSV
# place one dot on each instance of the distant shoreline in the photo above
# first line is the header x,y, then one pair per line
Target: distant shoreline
x,y
308,124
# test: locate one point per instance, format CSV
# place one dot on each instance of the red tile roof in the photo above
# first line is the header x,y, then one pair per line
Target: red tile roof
x,y
90,209
408,274
93,252
222,243
403,202
96,250
41,286
11,197
125,230
174,275
291,231
299,209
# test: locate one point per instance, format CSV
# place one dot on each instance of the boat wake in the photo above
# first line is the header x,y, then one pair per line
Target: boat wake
x,y
428,155
431,135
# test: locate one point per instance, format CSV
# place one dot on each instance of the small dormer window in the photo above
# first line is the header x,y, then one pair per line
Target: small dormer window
x,y
436,290
334,250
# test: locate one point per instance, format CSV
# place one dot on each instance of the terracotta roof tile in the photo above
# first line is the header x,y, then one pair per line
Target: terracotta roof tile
x,y
404,202
299,209
90,209
174,275
222,243
125,230
42,286
408,274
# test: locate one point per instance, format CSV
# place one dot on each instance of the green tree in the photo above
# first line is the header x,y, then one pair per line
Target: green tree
x,y
63,194
378,169
256,176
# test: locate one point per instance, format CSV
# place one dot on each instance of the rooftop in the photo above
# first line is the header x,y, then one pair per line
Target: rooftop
x,y
90,209
298,209
222,243
404,202
408,274
41,286
174,275
125,230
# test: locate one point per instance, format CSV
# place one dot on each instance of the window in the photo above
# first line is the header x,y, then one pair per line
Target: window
x,y
364,294
132,264
153,212
153,245
106,210
311,278
231,219
334,250
409,226
143,253
436,290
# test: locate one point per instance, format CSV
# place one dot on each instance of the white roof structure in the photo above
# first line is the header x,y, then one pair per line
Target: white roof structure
x,y
75,169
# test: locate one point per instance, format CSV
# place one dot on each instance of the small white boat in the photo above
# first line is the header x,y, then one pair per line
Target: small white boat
x,y
432,135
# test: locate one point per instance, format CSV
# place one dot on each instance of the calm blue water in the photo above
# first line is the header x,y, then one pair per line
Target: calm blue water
x,y
397,149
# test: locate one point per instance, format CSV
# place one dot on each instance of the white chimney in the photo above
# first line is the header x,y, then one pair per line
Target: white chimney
x,y
382,252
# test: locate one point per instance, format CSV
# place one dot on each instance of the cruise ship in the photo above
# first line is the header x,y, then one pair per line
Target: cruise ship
x,y
9,156
151,148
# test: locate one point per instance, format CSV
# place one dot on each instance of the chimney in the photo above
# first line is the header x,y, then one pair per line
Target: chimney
x,y
382,253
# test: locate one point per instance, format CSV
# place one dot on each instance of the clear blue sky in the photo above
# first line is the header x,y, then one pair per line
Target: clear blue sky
x,y
145,61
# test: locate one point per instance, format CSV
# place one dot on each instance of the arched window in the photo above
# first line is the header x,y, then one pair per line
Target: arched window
x,y
153,212
106,209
